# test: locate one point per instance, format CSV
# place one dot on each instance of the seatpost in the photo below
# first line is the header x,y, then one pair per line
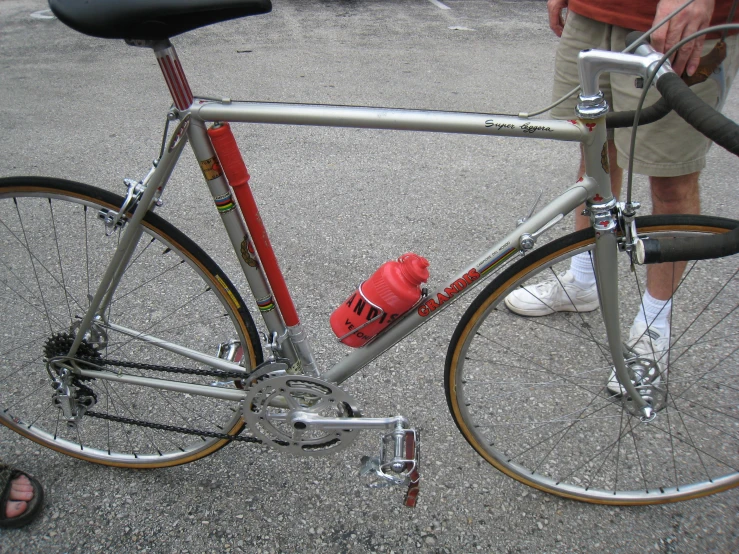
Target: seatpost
x,y
171,68
169,63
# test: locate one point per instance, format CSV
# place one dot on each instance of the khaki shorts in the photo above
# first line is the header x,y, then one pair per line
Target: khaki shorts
x,y
666,148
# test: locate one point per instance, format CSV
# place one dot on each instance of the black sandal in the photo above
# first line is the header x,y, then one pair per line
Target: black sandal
x,y
7,475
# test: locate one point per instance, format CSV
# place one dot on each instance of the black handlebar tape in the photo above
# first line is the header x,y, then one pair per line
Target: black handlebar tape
x,y
698,114
655,112
696,248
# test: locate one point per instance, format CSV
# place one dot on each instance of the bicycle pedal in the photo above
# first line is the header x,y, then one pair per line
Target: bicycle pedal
x,y
369,465
223,384
397,464
231,351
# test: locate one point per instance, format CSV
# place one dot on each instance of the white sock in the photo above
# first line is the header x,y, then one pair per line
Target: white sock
x,y
656,314
581,267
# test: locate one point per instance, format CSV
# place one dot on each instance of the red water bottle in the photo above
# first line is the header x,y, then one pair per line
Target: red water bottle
x,y
391,291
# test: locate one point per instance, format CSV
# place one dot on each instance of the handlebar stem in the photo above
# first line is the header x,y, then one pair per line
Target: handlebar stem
x,y
591,63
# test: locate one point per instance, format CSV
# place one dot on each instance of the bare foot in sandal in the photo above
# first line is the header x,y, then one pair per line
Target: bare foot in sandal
x,y
21,497
21,492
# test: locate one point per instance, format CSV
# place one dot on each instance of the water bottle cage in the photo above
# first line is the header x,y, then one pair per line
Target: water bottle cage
x,y
380,314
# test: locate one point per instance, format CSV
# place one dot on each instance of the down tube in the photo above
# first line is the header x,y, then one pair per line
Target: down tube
x,y
503,252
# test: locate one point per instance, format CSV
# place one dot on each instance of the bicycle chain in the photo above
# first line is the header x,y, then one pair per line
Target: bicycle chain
x,y
100,362
160,426
172,428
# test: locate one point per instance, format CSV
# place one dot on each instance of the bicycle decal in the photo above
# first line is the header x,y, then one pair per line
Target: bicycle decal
x,y
495,262
211,168
224,204
531,129
266,304
452,290
247,252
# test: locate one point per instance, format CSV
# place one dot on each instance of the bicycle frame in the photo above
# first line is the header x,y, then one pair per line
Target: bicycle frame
x,y
264,278
414,120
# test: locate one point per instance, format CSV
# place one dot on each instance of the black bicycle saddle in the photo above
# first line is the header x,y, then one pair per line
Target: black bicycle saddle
x,y
150,19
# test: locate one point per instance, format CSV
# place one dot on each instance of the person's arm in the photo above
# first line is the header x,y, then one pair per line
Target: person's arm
x,y
556,22
695,17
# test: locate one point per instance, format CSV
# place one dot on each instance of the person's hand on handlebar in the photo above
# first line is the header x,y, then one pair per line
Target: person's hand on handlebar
x,y
695,17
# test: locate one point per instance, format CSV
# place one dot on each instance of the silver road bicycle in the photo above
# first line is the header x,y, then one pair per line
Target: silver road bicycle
x,y
130,347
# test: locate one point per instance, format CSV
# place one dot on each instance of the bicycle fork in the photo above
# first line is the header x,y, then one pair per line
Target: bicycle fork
x,y
602,208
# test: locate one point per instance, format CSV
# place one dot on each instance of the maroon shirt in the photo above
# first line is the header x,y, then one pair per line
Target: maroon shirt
x,y
637,14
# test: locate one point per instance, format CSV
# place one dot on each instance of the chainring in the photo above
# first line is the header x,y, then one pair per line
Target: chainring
x,y
270,401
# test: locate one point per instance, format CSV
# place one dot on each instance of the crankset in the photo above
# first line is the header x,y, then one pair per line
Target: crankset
x,y
309,416
275,404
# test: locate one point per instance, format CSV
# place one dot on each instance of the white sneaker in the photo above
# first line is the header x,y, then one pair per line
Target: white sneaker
x,y
560,294
649,345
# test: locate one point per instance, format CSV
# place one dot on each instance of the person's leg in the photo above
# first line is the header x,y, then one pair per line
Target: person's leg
x,y
672,154
671,195
581,33
572,290
581,265
649,336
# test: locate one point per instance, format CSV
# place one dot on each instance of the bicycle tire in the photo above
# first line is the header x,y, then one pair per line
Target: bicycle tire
x,y
53,251
529,393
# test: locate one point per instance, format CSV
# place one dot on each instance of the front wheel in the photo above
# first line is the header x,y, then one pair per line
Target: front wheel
x,y
529,393
54,248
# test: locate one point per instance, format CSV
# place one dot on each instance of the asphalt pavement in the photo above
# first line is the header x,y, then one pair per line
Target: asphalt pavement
x,y
337,204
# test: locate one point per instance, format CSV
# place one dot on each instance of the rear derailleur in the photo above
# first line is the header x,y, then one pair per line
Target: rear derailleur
x,y
71,395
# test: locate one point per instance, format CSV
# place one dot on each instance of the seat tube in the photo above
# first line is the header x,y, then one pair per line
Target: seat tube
x,y
238,233
601,207
228,208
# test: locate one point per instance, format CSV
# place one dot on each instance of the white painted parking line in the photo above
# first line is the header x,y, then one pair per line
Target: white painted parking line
x,y
440,5
43,14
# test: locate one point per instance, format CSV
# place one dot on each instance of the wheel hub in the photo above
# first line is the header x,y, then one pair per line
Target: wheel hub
x,y
646,375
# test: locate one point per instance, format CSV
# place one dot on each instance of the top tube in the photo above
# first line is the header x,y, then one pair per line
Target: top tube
x,y
389,118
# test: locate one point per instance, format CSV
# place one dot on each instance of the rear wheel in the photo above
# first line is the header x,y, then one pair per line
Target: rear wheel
x,y
529,393
53,251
